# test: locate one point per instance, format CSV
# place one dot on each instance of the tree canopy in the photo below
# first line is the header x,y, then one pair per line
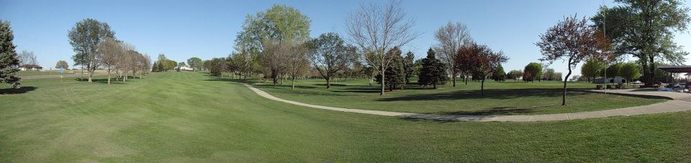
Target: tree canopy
x,y
9,62
645,29
84,38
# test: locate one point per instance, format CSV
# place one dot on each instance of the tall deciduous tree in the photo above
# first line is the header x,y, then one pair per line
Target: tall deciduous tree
x,y
376,28
27,58
330,55
110,52
84,38
265,32
195,63
572,40
451,37
9,62
645,29
297,61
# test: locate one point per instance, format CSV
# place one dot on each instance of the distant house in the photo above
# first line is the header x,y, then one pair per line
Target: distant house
x,y
185,68
30,67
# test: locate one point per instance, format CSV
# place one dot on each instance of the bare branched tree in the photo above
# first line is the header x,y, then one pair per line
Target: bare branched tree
x,y
451,37
376,28
109,53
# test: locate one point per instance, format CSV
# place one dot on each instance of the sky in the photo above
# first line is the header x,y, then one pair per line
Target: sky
x,y
181,29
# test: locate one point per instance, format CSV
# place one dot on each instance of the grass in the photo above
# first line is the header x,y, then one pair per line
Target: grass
x,y
188,117
501,98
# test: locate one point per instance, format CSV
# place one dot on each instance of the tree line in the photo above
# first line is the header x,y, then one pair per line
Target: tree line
x,y
95,47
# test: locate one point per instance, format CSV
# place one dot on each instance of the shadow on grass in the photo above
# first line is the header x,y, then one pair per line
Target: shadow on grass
x,y
492,111
105,80
489,94
333,85
17,91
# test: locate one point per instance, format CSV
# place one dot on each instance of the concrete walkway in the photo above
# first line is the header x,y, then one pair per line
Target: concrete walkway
x,y
678,104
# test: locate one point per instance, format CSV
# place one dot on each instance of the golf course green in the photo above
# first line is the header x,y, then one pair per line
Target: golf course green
x,y
191,117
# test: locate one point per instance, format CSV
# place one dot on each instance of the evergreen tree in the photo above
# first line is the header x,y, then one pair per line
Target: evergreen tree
x,y
394,75
432,72
408,66
499,74
9,63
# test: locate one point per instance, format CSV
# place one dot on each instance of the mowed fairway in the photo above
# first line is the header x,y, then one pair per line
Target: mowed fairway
x,y
501,98
188,117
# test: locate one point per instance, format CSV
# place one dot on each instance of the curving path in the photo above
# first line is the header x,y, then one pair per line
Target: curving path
x,y
677,104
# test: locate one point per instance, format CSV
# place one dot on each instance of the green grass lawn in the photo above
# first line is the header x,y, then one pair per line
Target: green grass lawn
x,y
188,117
501,98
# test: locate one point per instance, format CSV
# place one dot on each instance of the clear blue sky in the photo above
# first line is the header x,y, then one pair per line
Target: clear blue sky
x,y
183,29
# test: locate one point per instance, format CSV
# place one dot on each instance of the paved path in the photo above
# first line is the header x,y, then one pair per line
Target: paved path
x,y
675,105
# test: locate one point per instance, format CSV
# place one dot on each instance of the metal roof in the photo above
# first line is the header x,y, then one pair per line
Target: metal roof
x,y
676,69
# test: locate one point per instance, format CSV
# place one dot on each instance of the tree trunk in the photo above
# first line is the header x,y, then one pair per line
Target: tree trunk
x,y
108,76
328,83
465,78
482,87
563,97
383,82
292,83
91,74
453,79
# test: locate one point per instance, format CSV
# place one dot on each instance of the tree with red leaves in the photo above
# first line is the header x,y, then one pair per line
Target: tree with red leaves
x,y
571,40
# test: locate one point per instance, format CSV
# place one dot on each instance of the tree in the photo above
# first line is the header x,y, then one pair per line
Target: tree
x,y
432,71
110,51
84,38
592,68
484,62
408,67
330,55
298,61
548,74
195,63
451,37
630,71
645,29
27,58
499,74
614,70
9,61
572,40
394,74
376,28
216,66
264,34
164,64
61,64
180,65
514,74
532,71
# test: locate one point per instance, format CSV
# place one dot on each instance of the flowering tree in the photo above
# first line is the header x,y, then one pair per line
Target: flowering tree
x,y
571,40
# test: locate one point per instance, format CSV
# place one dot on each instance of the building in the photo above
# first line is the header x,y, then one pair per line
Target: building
x,y
30,67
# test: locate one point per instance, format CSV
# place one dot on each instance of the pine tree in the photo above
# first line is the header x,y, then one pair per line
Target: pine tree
x,y
9,64
395,72
432,72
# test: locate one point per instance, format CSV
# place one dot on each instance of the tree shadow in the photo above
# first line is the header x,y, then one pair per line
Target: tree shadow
x,y
489,94
359,90
17,90
333,85
502,110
